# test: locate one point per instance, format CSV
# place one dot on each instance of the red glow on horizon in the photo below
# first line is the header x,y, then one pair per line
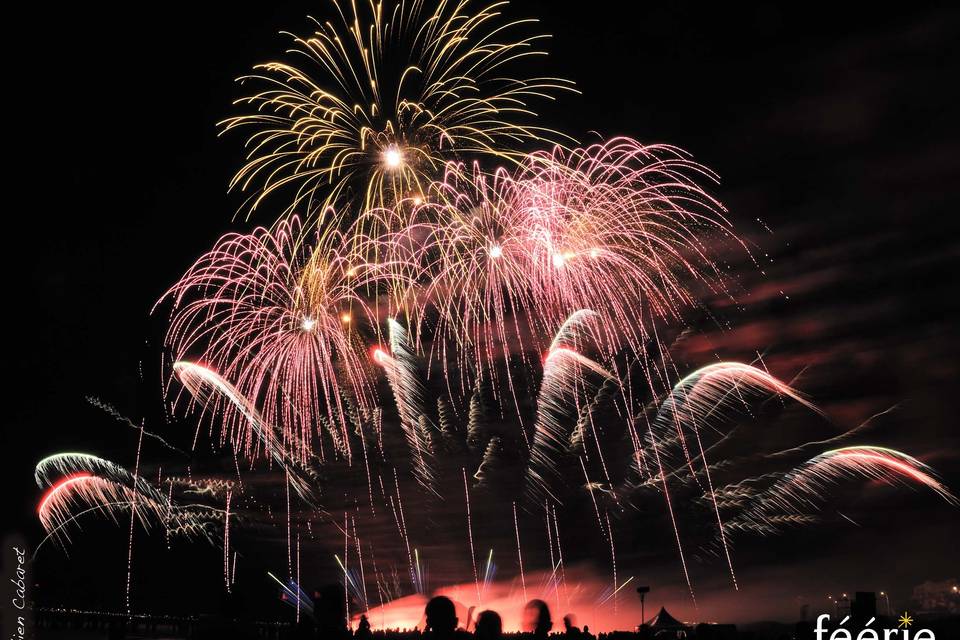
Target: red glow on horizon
x,y
584,594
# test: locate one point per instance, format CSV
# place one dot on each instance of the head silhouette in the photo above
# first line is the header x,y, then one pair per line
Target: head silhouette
x,y
536,618
441,616
489,625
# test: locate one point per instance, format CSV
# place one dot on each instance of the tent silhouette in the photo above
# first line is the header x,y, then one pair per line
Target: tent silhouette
x,y
663,620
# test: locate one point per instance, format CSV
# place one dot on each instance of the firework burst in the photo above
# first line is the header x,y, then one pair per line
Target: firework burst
x,y
376,101
471,251
279,321
621,228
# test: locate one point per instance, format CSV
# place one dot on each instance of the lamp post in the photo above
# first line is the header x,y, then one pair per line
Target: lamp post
x,y
643,591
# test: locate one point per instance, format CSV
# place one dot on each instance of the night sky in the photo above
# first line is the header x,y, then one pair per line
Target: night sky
x,y
836,139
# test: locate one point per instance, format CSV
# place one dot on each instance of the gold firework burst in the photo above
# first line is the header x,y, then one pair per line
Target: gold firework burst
x,y
371,106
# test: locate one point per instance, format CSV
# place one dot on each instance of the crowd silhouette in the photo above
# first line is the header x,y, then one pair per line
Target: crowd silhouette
x,y
441,622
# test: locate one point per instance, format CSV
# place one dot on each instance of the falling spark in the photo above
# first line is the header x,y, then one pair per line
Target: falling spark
x,y
226,544
473,555
133,511
516,528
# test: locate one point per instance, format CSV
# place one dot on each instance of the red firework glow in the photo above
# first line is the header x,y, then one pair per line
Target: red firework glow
x,y
587,595
61,484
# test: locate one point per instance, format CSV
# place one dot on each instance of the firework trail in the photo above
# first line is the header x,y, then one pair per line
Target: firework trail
x,y
49,469
208,387
492,455
79,494
562,391
546,515
846,435
133,512
294,596
78,484
489,571
516,528
563,569
113,412
477,421
706,393
226,544
704,402
473,555
402,527
58,501
673,518
401,369
613,560
363,577
374,103
805,487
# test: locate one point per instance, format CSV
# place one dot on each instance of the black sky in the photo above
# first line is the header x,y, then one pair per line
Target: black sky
x,y
836,127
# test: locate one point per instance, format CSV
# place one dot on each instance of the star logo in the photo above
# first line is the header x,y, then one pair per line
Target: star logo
x,y
905,620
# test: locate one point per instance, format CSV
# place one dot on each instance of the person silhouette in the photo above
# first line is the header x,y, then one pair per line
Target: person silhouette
x,y
586,633
570,627
536,619
363,629
489,626
441,617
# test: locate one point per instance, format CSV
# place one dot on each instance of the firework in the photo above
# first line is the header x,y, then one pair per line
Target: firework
x,y
564,389
279,321
375,129
705,400
51,468
791,498
376,101
621,228
400,367
80,493
473,248
209,388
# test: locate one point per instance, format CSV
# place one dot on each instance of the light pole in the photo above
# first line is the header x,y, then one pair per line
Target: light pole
x,y
887,598
643,591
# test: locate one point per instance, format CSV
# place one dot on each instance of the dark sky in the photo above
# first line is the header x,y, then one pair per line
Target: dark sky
x,y
838,130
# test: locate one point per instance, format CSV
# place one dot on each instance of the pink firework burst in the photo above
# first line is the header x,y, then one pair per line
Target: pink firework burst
x,y
620,228
279,322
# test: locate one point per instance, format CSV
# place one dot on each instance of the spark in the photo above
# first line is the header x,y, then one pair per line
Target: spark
x,y
516,528
473,555
392,157
133,511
